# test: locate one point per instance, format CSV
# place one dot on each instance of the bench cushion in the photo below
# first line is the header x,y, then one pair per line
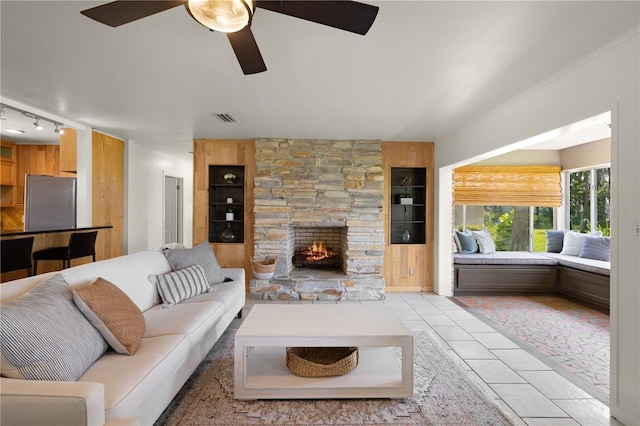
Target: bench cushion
x,y
600,267
503,258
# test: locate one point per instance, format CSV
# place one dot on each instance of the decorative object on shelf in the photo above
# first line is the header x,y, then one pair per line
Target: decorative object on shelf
x,y
406,234
230,215
264,269
406,180
229,200
322,361
228,235
230,178
406,197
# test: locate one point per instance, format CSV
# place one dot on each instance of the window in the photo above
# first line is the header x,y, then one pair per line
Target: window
x,y
589,200
510,226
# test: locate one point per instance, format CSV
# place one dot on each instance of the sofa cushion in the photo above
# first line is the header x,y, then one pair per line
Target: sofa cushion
x,y
177,286
45,337
485,241
554,240
572,243
595,247
110,310
200,255
131,382
468,242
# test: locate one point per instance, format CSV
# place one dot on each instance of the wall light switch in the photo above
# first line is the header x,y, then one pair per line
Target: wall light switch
x,y
411,271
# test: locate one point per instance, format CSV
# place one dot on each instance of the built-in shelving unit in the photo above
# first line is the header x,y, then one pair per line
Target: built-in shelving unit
x,y
226,204
408,213
408,167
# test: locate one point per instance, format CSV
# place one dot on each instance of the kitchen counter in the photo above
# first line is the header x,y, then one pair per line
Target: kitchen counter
x,y
18,233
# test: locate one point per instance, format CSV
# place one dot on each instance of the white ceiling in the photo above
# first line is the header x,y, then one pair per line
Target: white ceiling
x,y
424,68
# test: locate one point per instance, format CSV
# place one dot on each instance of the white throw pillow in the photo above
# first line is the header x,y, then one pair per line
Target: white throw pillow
x,y
572,244
485,241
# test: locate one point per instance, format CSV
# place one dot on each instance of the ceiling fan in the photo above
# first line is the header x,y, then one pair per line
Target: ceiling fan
x,y
234,18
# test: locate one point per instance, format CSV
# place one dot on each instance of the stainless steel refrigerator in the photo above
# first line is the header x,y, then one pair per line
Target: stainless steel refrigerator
x,y
49,203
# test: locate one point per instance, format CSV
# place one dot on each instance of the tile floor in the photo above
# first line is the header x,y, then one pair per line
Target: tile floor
x,y
526,389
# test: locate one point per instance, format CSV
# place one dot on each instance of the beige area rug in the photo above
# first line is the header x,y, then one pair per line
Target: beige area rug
x,y
443,395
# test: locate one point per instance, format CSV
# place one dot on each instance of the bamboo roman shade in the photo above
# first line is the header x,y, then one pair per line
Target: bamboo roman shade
x,y
508,186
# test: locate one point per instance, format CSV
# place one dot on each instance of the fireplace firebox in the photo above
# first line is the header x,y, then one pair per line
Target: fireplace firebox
x,y
319,247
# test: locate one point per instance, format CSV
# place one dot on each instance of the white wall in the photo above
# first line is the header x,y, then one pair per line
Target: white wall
x,y
608,80
146,169
524,157
84,149
588,155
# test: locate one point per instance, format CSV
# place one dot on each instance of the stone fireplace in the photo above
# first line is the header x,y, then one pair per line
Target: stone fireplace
x,y
319,190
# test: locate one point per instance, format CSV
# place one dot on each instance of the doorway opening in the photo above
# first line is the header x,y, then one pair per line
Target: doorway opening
x,y
172,210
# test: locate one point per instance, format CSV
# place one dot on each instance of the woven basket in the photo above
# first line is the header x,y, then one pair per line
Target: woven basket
x,y
322,361
264,269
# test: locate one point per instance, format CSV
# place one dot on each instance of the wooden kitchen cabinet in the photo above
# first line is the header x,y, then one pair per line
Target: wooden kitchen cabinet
x,y
8,174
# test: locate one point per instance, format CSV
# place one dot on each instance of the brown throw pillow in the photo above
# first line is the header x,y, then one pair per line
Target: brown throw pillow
x,y
110,310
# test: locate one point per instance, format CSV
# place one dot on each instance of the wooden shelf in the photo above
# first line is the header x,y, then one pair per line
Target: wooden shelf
x,y
219,192
408,217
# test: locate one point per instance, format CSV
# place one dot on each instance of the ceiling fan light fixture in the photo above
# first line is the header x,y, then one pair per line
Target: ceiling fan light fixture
x,y
227,16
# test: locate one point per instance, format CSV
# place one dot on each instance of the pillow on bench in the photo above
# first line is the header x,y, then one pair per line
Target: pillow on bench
x,y
555,240
595,247
572,243
468,242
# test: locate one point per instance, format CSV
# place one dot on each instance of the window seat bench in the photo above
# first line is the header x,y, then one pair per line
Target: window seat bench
x,y
504,273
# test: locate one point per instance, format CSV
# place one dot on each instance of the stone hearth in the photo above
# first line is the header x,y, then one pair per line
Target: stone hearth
x,y
319,183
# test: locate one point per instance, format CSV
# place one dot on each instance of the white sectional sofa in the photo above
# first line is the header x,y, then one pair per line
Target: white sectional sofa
x,y
119,388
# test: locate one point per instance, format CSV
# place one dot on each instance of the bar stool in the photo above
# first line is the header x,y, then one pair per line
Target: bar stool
x,y
16,254
81,244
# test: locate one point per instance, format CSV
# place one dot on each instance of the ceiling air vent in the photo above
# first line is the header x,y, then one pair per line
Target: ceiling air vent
x,y
226,117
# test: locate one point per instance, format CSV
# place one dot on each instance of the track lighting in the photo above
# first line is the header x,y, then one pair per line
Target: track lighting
x,y
36,123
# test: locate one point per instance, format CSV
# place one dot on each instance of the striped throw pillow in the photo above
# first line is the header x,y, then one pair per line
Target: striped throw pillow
x,y
180,285
45,337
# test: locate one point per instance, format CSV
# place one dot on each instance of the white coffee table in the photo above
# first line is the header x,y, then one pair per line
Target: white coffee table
x,y
260,370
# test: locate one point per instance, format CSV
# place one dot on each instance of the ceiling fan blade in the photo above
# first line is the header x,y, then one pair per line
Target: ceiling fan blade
x,y
246,50
122,12
345,15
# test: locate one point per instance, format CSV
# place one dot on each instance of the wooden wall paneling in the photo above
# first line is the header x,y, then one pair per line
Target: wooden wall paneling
x,y
68,151
220,152
398,258
108,194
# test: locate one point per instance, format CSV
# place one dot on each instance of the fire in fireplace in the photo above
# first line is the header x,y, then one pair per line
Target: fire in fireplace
x,y
317,255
